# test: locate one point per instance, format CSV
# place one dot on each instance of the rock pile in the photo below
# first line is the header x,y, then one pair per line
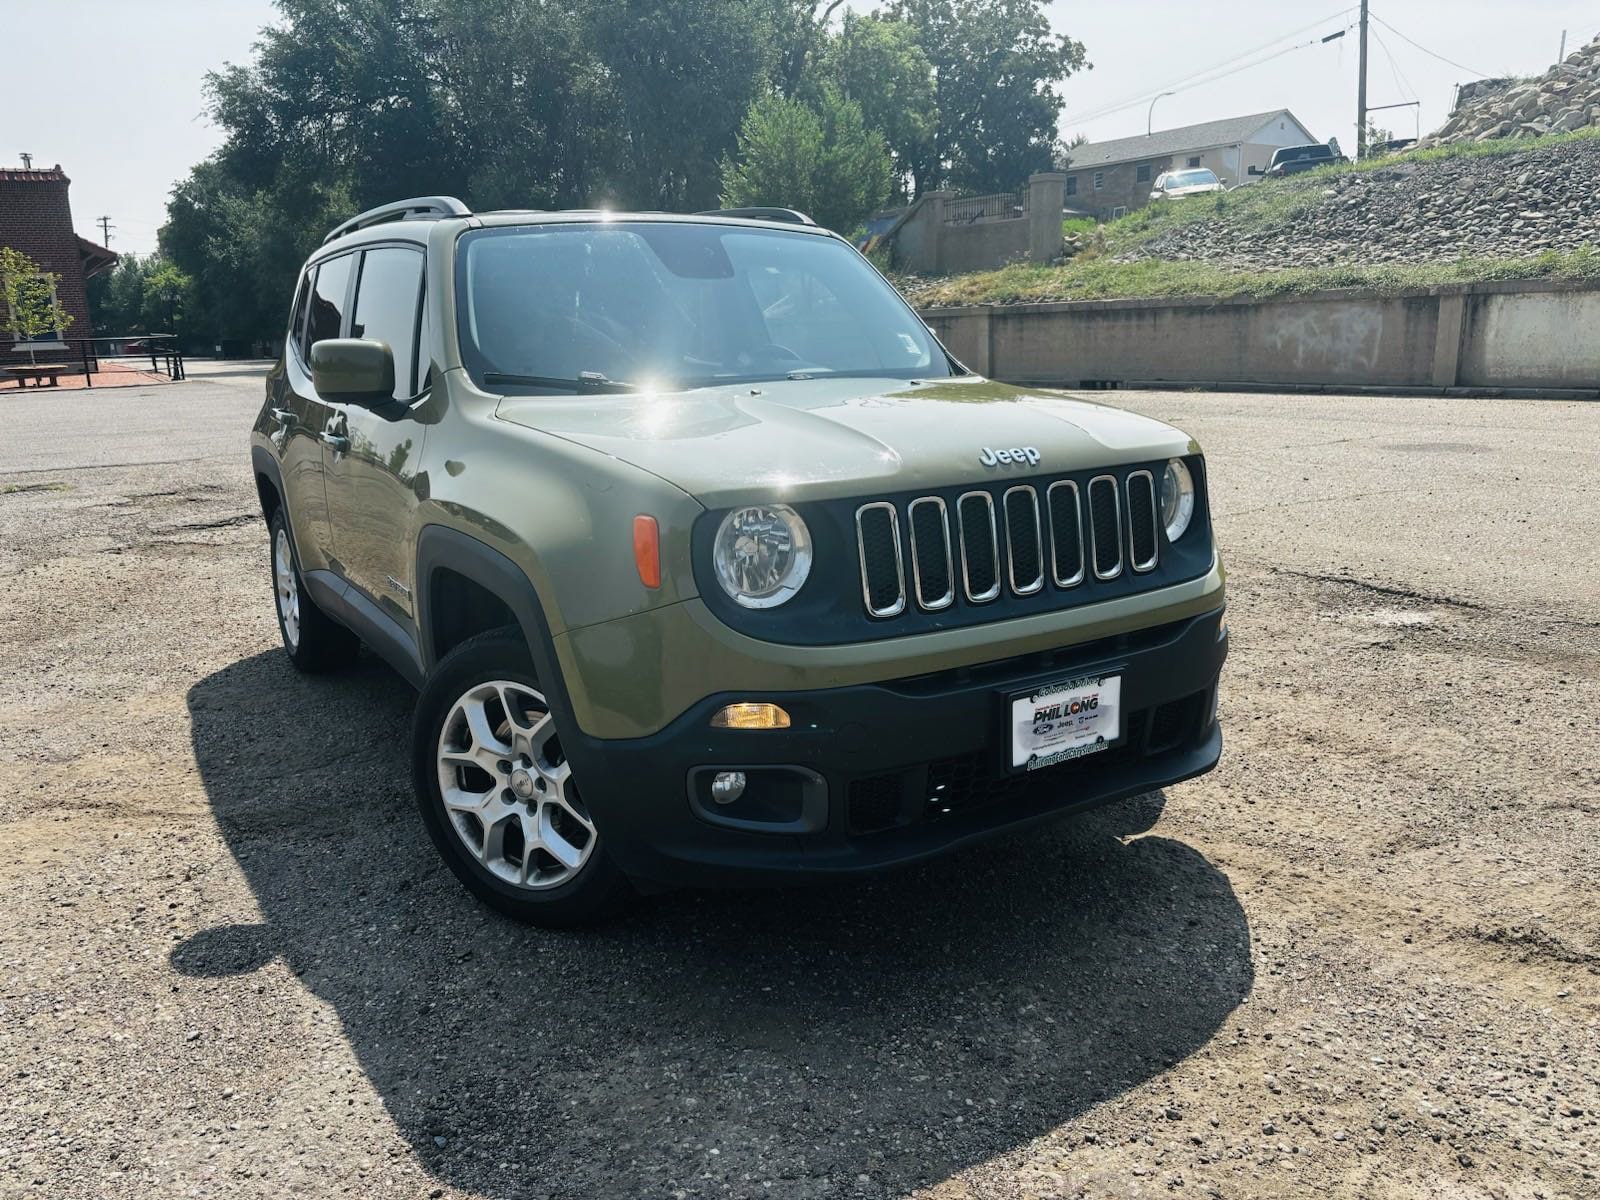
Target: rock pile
x,y
1564,98
1515,205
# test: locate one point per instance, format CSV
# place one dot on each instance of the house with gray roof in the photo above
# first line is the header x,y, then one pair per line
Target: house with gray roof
x,y
1107,178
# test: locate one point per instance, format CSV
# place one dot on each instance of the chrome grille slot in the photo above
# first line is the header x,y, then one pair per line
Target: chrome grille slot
x,y
1024,548
883,577
1144,541
1066,533
980,550
1105,527
932,574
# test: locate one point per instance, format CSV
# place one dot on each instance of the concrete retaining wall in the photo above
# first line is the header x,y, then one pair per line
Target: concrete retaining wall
x,y
1500,335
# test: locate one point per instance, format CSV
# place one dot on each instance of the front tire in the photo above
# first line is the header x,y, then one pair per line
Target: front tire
x,y
497,793
313,640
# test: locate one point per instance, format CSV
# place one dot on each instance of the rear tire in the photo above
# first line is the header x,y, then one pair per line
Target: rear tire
x,y
314,641
497,794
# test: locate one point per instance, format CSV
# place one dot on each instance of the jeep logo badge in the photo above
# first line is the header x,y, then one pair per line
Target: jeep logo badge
x,y
1000,458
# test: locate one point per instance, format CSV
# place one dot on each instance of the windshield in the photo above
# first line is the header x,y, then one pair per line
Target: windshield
x,y
612,306
1180,179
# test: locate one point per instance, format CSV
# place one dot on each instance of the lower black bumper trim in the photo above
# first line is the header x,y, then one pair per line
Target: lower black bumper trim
x,y
911,767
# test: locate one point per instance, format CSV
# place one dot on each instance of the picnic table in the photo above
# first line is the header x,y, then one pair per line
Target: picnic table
x,y
38,373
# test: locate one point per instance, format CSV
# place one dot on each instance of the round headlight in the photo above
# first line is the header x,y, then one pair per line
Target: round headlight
x,y
762,554
1177,498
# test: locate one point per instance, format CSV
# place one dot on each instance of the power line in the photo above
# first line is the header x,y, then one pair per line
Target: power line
x,y
1401,83
1210,73
1430,53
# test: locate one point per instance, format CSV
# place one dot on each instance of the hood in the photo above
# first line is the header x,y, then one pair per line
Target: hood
x,y
1194,189
823,439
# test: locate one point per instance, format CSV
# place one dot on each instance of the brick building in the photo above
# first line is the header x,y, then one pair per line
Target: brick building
x,y
1106,179
36,218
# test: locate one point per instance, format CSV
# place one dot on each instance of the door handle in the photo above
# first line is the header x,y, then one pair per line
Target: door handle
x,y
336,434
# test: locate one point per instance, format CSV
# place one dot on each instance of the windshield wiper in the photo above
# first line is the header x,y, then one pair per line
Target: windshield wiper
x,y
587,381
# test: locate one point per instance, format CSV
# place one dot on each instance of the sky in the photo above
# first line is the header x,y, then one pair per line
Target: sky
x,y
124,112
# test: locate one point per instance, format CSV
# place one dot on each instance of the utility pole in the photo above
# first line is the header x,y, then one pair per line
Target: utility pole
x,y
1562,57
1361,90
27,162
105,230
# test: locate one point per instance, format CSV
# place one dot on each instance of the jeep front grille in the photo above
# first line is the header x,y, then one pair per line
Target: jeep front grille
x,y
1024,544
883,580
932,577
1144,539
980,548
1105,526
927,554
1066,534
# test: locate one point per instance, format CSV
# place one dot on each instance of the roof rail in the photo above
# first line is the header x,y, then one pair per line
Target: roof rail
x,y
760,214
417,208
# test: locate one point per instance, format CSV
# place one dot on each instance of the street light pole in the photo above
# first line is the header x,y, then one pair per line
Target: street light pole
x,y
1149,120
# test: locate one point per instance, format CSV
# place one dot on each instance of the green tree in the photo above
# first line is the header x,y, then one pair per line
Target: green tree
x,y
878,64
997,65
827,163
684,74
28,305
115,296
165,297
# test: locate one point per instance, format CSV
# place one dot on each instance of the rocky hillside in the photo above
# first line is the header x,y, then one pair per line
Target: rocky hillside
x,y
1563,99
1401,210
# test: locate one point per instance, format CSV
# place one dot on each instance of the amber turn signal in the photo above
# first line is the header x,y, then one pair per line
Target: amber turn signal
x,y
647,550
750,716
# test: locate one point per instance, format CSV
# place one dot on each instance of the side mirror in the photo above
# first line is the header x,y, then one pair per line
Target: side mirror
x,y
1255,171
353,370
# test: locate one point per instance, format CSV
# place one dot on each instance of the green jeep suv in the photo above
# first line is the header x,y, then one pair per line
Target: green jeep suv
x,y
710,564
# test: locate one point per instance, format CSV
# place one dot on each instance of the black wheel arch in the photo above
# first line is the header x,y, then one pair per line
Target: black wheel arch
x,y
443,551
269,485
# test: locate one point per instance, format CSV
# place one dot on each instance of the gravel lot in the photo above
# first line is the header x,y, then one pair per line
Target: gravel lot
x,y
1360,959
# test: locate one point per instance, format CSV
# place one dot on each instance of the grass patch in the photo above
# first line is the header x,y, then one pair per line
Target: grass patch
x,y
1103,279
17,489
1489,149
1082,226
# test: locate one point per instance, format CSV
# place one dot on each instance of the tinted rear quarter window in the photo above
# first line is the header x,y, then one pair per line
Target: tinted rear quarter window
x,y
386,307
328,300
297,321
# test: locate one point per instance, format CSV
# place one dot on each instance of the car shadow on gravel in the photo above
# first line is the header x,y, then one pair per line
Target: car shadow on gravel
x,y
860,1039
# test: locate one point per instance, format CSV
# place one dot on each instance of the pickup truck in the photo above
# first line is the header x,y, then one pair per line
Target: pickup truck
x,y
1294,160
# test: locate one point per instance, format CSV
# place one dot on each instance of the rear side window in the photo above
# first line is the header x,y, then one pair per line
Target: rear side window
x,y
386,307
297,321
327,300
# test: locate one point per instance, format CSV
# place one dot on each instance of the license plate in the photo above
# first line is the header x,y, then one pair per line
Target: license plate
x,y
1065,720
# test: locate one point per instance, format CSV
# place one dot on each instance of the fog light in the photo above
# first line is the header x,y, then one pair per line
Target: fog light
x,y
727,786
750,716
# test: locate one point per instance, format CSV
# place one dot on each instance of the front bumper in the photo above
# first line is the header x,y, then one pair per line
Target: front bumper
x,y
892,772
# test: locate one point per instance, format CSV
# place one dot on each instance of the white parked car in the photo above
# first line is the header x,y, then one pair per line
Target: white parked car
x,y
1192,182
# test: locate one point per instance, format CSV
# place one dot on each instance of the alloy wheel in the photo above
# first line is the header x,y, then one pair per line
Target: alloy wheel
x,y
508,789
287,587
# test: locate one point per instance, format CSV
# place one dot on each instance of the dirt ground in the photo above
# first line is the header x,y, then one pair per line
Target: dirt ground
x,y
1362,958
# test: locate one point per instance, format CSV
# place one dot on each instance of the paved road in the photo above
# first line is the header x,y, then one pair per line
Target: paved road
x,y
49,430
1362,958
